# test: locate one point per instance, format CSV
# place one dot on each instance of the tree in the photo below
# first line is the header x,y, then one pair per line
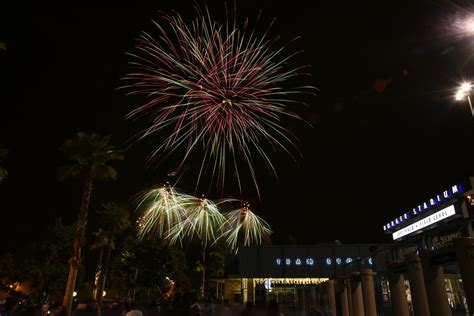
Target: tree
x,y
114,219
3,156
89,155
43,264
48,267
143,266
214,264
100,243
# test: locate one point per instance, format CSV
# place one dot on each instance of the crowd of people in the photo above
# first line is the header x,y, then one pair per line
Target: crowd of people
x,y
185,304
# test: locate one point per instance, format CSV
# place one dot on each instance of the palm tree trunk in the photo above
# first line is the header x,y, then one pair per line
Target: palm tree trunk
x,y
203,272
80,229
98,273
103,278
135,284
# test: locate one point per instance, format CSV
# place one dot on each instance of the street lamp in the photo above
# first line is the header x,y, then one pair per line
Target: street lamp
x,y
464,92
467,25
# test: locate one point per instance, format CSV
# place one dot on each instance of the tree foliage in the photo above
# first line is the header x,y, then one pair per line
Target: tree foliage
x,y
143,266
87,151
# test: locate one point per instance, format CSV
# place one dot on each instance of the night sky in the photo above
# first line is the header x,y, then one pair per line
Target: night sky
x,y
387,133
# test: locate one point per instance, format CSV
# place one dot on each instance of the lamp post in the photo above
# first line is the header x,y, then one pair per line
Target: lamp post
x,y
464,92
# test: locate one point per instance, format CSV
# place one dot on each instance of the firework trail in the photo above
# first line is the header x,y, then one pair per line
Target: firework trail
x,y
215,89
245,226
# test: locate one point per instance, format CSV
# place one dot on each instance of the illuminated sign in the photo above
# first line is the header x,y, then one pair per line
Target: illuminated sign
x,y
425,222
311,261
298,261
421,208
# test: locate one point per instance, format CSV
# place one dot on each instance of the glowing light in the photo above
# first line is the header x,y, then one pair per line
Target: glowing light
x,y
469,26
287,261
465,26
104,293
463,91
74,294
267,284
328,261
216,89
466,87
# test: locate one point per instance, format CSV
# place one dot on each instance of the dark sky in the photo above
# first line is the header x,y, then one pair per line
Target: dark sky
x,y
370,156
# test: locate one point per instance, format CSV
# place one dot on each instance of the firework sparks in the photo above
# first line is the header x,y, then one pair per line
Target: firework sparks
x,y
203,220
215,88
244,224
163,211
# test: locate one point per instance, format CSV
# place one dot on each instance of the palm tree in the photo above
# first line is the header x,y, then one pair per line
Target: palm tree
x,y
3,155
101,240
116,219
89,155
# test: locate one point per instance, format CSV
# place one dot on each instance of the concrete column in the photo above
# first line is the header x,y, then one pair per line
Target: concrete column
x,y
398,294
317,303
312,295
250,291
344,297
324,297
417,285
368,292
357,300
308,297
331,296
465,256
349,295
302,292
435,288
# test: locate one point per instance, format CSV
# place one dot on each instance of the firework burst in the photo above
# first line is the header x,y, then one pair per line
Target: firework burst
x,y
214,88
246,226
163,211
203,220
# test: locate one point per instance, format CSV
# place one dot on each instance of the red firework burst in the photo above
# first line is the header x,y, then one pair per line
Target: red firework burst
x,y
216,88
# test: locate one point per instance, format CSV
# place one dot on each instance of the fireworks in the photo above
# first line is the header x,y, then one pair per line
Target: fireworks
x,y
203,220
243,223
163,211
173,216
215,89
